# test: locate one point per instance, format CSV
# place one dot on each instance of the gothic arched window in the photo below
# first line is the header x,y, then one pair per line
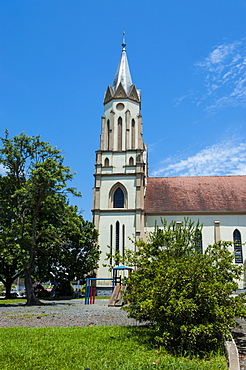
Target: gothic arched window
x,y
237,246
131,161
119,199
108,135
111,244
118,196
133,134
119,133
123,241
117,236
106,162
198,242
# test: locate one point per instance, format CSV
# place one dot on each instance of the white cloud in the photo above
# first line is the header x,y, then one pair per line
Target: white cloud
x,y
224,158
225,76
218,56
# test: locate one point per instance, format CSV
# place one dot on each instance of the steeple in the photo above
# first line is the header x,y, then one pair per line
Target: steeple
x,y
122,87
123,74
120,168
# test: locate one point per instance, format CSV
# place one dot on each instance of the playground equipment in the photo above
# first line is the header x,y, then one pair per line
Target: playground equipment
x,y
118,281
90,290
120,285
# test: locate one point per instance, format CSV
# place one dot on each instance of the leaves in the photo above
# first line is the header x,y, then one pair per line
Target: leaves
x,y
188,295
39,231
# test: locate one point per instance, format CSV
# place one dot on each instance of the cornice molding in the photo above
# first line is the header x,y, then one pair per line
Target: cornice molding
x,y
195,213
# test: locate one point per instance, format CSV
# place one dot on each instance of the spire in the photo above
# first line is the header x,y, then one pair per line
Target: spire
x,y
123,74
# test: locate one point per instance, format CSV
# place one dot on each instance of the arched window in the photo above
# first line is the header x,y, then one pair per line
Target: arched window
x,y
118,196
108,135
131,161
119,199
119,133
133,134
237,246
106,162
198,242
117,236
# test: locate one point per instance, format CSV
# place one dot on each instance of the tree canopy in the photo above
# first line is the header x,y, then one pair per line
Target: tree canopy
x,y
186,294
39,231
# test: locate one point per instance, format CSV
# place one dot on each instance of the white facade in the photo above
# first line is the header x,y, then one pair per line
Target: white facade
x,y
215,227
120,209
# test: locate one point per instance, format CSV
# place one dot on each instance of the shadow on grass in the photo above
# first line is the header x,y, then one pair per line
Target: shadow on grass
x,y
44,304
147,335
144,334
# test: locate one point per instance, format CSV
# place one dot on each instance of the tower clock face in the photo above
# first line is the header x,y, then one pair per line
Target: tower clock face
x,y
120,106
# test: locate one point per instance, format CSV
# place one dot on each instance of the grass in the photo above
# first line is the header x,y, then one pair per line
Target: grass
x,y
23,300
102,297
12,301
96,348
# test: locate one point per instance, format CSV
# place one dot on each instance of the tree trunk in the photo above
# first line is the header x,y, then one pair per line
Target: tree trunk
x,y
32,300
8,283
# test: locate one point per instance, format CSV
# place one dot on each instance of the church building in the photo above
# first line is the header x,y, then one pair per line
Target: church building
x,y
127,203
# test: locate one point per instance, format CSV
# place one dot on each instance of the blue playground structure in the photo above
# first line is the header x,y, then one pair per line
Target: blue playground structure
x,y
118,282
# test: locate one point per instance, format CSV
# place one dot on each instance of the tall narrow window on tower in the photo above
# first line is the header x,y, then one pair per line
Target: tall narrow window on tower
x,y
111,244
119,199
119,133
108,135
133,134
117,236
123,241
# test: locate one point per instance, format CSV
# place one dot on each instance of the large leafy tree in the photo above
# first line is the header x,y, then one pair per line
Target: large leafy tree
x,y
9,249
73,253
34,201
188,295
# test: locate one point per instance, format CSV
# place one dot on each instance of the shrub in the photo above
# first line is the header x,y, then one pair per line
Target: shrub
x,y
185,293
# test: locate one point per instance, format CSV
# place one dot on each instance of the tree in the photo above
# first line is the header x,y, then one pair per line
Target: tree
x,y
185,293
35,195
9,249
73,254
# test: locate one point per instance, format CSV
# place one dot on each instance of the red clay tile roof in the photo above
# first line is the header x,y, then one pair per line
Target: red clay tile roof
x,y
195,194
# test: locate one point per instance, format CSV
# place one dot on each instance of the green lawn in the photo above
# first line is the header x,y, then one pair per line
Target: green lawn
x,y
96,348
11,301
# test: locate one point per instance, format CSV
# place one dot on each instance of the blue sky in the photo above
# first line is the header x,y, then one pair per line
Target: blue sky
x,y
188,58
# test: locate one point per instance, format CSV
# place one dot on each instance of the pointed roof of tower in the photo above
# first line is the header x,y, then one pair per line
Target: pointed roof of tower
x,y
122,88
123,74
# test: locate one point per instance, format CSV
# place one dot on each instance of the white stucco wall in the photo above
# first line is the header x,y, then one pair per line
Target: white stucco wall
x,y
129,106
228,223
107,219
108,182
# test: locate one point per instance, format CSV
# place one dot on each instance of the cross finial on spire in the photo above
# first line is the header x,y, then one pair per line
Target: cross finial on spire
x,y
123,75
124,40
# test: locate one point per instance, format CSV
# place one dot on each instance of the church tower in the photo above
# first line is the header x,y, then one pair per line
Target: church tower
x,y
121,168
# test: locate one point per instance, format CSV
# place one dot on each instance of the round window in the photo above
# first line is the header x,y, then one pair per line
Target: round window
x,y
120,106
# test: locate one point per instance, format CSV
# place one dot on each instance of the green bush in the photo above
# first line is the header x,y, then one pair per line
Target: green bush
x,y
185,293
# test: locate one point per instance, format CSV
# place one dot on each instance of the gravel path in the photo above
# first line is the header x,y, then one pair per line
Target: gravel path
x,y
63,313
